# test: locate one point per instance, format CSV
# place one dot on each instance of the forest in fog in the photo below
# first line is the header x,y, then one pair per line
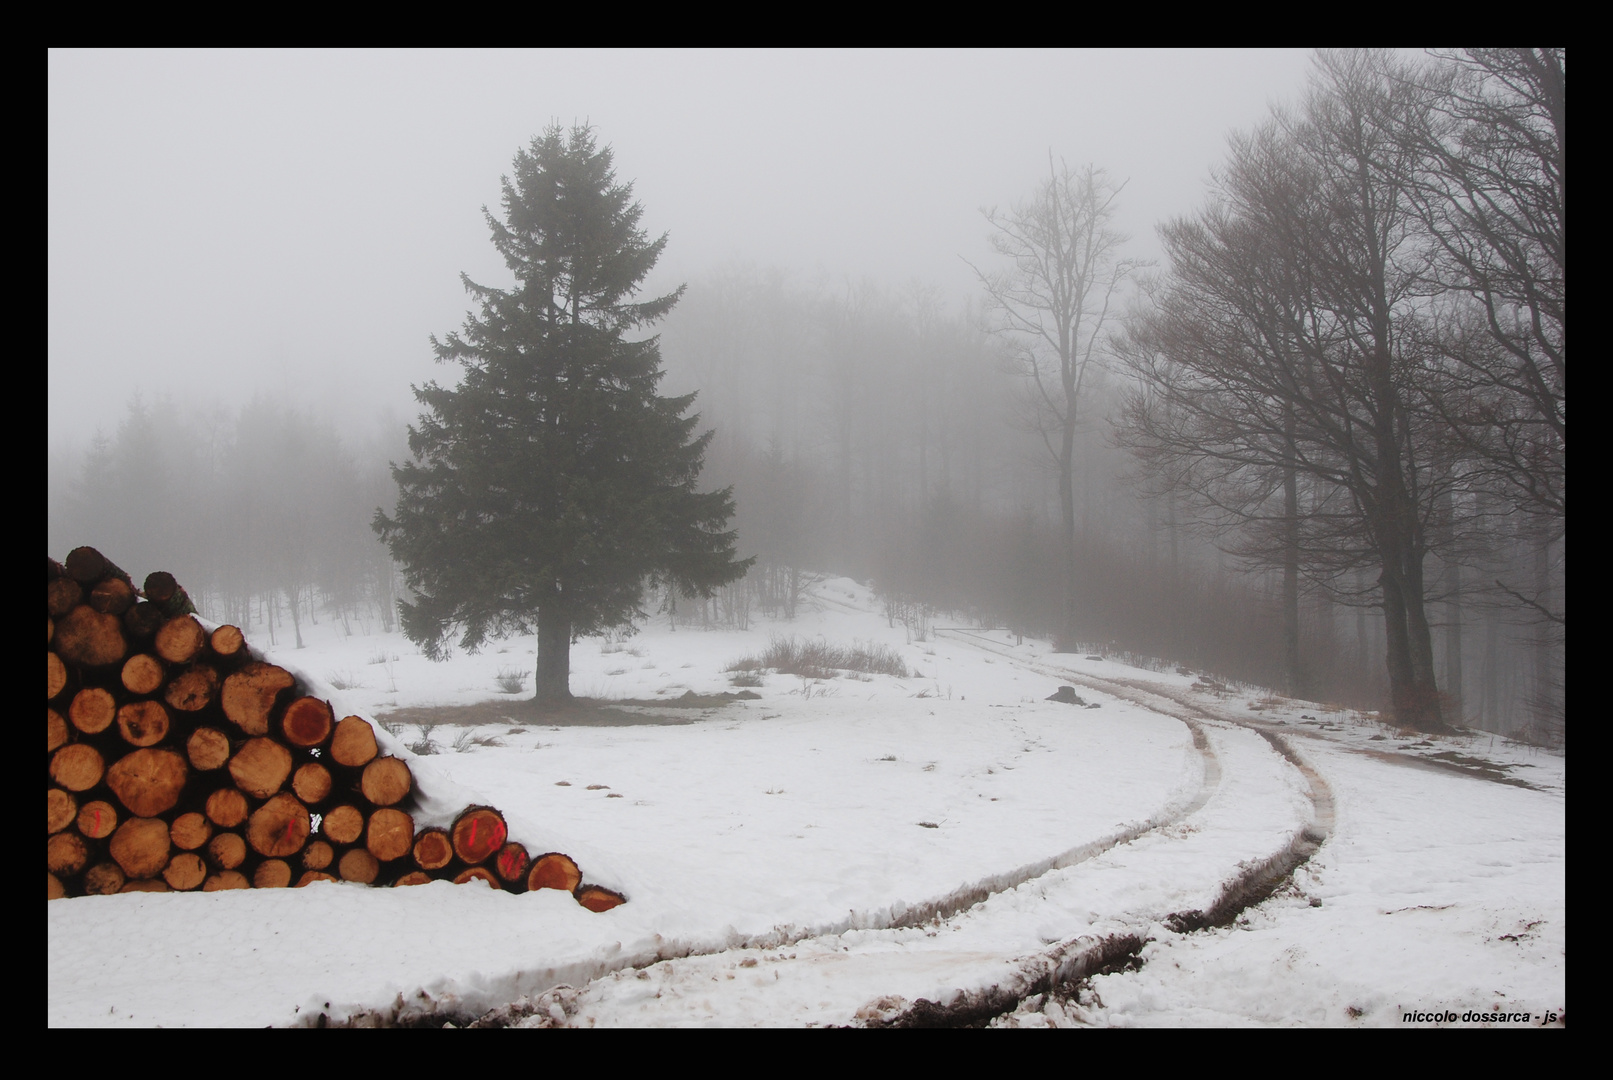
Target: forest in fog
x,y
1347,371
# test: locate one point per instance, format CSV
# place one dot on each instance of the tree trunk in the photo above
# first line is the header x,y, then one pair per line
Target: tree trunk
x,y
1545,713
554,655
1291,560
1067,528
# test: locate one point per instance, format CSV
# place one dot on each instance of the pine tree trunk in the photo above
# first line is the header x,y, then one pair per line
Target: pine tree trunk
x,y
554,655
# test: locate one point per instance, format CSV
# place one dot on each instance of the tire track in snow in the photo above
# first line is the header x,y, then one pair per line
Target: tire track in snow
x,y
424,1012
1072,961
1063,964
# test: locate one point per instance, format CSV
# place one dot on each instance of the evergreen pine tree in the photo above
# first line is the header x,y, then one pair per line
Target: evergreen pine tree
x,y
554,483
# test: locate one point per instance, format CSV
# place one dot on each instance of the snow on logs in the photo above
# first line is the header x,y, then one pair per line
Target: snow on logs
x,y
178,762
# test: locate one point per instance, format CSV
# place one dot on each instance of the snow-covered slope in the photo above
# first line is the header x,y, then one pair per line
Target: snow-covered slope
x,y
821,854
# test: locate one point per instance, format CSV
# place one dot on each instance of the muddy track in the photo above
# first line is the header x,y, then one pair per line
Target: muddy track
x,y
941,908
1069,963
1193,701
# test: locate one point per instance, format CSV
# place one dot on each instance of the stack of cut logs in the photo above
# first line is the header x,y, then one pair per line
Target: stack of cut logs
x,y
178,761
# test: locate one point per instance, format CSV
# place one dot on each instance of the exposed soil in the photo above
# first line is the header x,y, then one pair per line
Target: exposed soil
x,y
578,712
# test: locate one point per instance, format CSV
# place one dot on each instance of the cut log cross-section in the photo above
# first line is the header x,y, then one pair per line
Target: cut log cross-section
x,y
193,690
389,834
279,827
249,695
477,833
143,723
272,874
595,898
317,855
226,808
227,850
97,819
553,871
112,596
189,831
65,854
208,749
511,863
354,743
162,590
386,781
260,767
141,847
55,676
86,636
311,783
86,565
60,810
142,621
61,596
92,710
142,674
227,642
359,865
185,871
77,766
343,825
433,849
307,722
103,879
181,640
56,736
148,782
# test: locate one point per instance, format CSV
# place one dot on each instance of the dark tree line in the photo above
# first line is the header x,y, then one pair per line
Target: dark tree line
x,y
1354,368
261,513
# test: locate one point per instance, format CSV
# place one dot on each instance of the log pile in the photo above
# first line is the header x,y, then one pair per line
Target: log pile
x,y
179,761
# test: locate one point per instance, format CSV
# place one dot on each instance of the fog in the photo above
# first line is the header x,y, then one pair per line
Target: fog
x,y
296,222
248,252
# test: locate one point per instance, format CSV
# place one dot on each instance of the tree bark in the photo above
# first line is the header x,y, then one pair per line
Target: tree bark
x,y
554,653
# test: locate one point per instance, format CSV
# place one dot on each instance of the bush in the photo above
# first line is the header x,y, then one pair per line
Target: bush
x,y
424,746
343,680
511,680
820,660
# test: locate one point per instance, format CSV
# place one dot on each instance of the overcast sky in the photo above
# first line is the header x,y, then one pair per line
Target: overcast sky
x,y
221,223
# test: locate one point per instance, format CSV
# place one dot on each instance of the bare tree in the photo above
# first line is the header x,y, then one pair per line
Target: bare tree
x,y
1493,200
1055,303
1288,345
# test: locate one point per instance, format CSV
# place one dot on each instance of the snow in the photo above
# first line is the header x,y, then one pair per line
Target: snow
x,y
781,866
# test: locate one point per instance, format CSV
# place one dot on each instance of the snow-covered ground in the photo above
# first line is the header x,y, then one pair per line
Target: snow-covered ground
x,y
838,851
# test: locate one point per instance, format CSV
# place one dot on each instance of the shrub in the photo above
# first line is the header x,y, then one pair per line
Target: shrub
x,y
511,680
820,660
343,680
423,745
